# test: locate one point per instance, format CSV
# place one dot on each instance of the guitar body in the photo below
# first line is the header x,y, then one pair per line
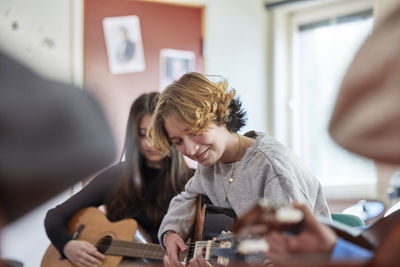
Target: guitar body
x,y
96,229
211,220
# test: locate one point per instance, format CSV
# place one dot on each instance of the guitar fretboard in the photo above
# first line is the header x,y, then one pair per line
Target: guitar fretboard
x,y
134,249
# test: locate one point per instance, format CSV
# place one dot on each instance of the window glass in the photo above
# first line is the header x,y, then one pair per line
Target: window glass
x,y
323,51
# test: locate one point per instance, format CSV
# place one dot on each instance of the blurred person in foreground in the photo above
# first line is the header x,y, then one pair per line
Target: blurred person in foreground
x,y
51,136
366,121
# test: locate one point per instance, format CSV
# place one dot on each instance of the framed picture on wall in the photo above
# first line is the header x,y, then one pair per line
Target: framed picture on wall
x,y
124,44
173,64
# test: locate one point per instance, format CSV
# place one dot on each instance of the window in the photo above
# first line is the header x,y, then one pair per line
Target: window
x,y
321,43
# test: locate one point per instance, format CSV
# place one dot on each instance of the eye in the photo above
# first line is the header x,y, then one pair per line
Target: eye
x,y
194,136
177,142
142,132
180,142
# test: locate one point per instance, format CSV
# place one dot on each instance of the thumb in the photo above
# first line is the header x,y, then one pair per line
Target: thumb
x,y
308,216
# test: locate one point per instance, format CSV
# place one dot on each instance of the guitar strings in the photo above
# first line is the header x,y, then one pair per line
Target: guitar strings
x,y
191,245
153,251
149,250
157,248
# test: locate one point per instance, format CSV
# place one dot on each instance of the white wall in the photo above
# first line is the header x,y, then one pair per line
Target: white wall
x,y
49,39
38,33
235,47
25,240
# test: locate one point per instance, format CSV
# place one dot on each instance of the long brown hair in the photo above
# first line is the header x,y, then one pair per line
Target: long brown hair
x,y
130,196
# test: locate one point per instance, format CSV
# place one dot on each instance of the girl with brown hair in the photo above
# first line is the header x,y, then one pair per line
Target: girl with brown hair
x,y
140,187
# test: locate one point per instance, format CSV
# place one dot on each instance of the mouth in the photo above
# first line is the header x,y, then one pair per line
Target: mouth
x,y
153,152
201,156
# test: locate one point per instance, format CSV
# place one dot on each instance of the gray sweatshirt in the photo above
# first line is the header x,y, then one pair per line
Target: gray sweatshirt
x,y
268,169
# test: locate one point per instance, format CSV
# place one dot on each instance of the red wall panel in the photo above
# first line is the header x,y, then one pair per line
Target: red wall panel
x,y
162,26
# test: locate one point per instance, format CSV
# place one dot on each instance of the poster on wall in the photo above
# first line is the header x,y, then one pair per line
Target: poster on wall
x,y
173,64
124,44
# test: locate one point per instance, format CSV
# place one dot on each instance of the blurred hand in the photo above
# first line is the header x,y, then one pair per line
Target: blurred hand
x,y
314,237
82,253
174,245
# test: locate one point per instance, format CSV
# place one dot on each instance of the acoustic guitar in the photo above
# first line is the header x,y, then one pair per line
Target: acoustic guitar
x,y
114,239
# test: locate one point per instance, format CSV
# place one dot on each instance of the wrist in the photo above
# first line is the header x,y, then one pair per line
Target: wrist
x,y
164,237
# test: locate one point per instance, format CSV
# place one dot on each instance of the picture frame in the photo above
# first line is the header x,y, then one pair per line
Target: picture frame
x,y
173,64
124,44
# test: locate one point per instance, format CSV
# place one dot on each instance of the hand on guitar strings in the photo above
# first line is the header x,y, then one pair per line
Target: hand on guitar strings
x,y
198,260
174,244
314,238
265,217
285,239
83,254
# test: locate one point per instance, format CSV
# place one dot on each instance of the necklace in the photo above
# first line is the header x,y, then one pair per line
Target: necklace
x,y
231,179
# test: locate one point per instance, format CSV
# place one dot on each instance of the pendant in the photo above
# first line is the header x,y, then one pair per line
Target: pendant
x,y
231,180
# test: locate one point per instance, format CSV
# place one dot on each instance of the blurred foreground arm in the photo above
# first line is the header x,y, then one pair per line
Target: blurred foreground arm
x,y
52,136
366,116
290,240
314,237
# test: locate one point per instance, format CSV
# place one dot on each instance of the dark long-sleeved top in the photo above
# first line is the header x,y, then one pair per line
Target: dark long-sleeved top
x,y
94,194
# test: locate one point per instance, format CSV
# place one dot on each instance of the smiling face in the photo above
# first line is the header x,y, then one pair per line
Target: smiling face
x,y
206,148
197,104
152,156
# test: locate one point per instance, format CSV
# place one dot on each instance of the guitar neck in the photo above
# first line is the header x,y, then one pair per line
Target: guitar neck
x,y
138,250
134,249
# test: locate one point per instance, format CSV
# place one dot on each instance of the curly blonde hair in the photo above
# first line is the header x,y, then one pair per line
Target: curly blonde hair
x,y
196,102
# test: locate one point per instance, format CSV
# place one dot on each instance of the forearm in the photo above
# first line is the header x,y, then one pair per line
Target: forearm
x,y
181,215
182,210
56,220
56,230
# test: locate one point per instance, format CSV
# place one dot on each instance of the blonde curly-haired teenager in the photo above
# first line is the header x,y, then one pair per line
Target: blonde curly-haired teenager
x,y
201,118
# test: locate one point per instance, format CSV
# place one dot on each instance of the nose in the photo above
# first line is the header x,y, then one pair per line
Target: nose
x,y
192,148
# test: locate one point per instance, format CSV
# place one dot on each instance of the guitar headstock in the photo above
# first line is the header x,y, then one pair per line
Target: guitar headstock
x,y
226,242
228,248
246,241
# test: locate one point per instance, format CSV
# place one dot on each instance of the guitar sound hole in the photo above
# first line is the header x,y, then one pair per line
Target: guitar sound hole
x,y
103,244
